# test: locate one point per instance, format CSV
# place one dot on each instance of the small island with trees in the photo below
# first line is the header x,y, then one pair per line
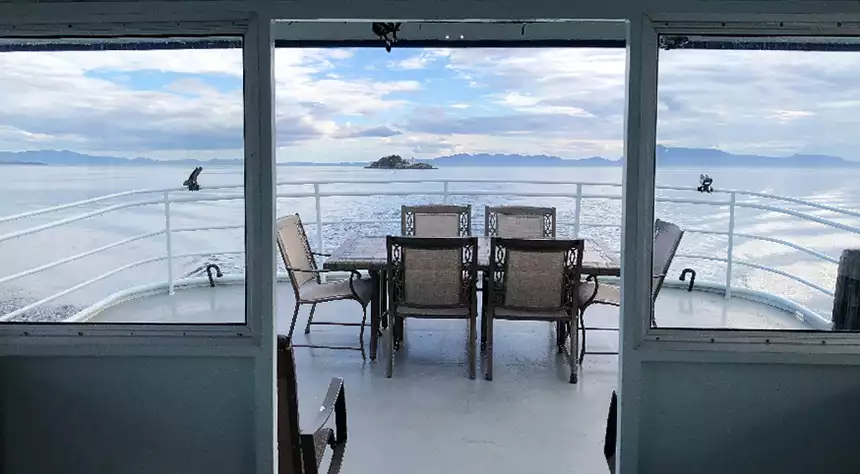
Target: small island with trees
x,y
395,162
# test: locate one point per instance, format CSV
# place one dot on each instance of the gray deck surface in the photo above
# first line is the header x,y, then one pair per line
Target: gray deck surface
x,y
430,418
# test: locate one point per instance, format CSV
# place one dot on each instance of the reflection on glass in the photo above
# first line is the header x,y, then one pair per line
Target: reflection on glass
x,y
96,140
757,162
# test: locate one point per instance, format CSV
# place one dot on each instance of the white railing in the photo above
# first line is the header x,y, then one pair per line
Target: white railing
x,y
166,198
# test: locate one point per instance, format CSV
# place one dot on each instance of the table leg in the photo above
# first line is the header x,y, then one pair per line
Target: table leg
x,y
375,306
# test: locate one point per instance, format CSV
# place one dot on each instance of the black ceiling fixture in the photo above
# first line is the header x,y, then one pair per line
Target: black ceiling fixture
x,y
386,32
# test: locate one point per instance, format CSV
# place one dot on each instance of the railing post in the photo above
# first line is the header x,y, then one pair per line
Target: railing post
x,y
577,211
168,237
319,223
445,192
730,251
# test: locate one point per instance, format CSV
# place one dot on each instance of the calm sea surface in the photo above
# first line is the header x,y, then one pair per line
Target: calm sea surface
x,y
27,188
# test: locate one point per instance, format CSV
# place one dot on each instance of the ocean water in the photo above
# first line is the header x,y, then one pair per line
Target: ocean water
x,y
28,188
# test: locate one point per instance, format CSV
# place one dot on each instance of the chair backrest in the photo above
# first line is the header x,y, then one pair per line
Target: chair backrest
x,y
667,237
289,447
432,272
296,250
520,222
535,274
436,221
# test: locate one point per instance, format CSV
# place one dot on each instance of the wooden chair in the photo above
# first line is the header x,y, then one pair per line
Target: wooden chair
x,y
520,222
667,237
436,221
433,278
300,451
308,286
534,280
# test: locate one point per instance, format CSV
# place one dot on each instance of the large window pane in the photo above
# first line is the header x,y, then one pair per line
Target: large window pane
x,y
770,121
96,140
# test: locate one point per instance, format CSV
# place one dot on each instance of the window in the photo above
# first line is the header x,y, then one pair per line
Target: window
x,y
756,161
97,140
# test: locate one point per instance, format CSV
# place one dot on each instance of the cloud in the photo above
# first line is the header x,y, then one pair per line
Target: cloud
x,y
166,103
766,102
344,104
421,60
372,132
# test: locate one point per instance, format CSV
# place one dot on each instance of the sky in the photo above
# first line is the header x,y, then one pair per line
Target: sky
x,y
338,105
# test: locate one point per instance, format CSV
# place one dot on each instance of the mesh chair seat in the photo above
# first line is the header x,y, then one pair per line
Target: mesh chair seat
x,y
315,292
447,313
436,221
530,314
534,280
432,278
307,286
667,237
520,222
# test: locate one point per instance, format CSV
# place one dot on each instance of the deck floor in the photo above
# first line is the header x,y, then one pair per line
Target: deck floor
x,y
430,418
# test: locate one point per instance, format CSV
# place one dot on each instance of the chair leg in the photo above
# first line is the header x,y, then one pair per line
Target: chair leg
x,y
361,332
293,323
574,342
389,335
310,318
488,375
484,315
582,349
472,346
559,336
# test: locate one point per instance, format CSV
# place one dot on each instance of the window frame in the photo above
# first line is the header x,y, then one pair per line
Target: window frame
x,y
658,342
37,338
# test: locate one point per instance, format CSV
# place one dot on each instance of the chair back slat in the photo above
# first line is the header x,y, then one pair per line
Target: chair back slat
x,y
432,272
520,222
436,221
667,237
296,250
535,275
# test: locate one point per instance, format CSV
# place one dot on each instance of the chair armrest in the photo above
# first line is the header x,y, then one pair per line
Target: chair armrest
x,y
354,275
590,299
334,403
302,270
321,254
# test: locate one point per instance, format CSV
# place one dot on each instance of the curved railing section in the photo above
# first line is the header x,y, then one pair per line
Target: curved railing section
x,y
165,198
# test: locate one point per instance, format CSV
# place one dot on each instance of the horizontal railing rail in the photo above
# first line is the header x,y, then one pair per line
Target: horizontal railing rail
x,y
166,197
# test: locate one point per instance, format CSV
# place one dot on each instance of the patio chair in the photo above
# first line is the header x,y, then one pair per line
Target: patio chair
x,y
667,237
308,286
534,280
514,222
436,221
520,222
300,451
434,278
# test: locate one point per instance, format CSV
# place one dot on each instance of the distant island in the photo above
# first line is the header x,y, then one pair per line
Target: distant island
x,y
667,157
395,162
21,163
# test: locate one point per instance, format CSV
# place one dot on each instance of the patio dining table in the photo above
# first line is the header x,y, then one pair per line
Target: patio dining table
x,y
369,253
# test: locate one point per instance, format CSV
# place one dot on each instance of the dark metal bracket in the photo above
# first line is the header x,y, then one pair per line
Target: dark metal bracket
x,y
209,273
692,277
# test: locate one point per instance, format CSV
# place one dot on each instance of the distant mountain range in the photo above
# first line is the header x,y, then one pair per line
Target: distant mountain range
x,y
669,157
